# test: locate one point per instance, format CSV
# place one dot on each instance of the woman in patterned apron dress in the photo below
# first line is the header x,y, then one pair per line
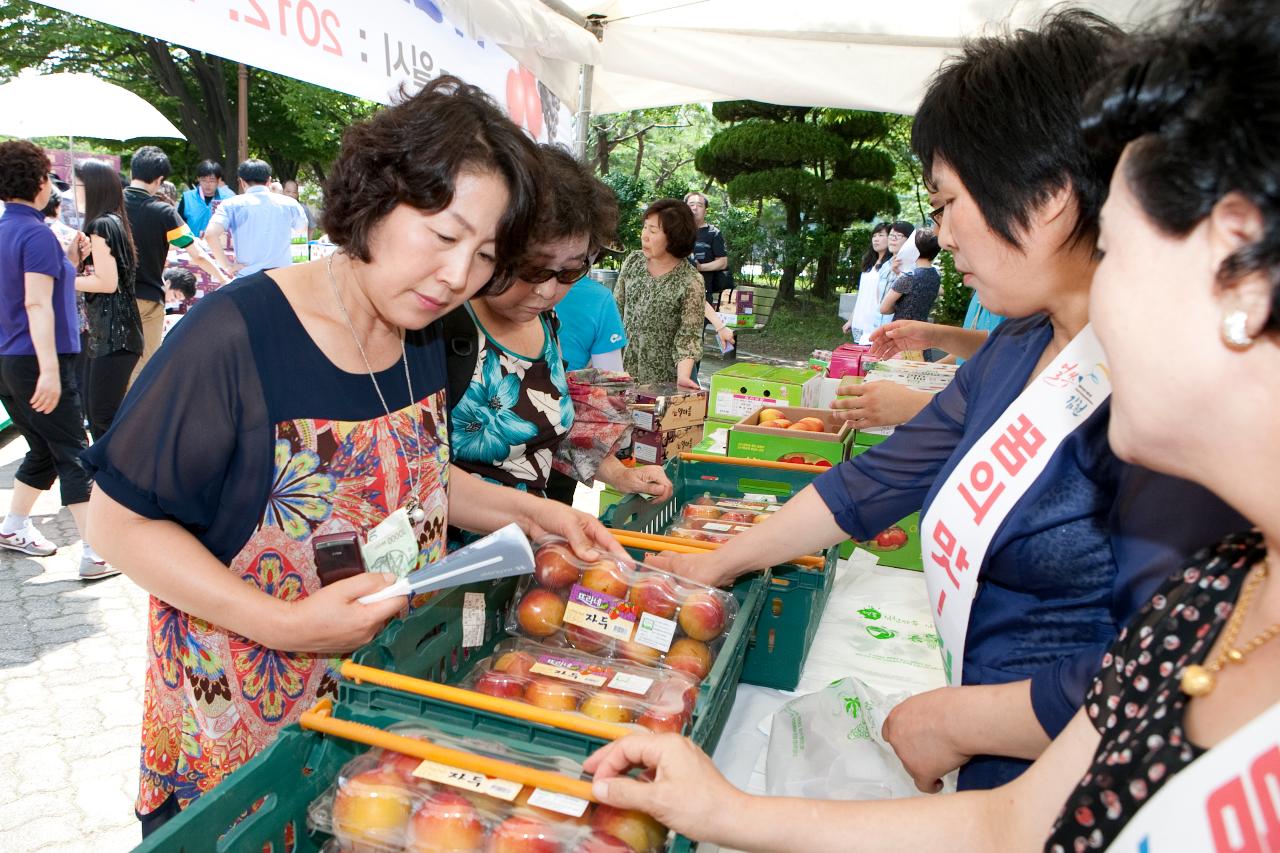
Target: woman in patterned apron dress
x,y
1177,745
308,401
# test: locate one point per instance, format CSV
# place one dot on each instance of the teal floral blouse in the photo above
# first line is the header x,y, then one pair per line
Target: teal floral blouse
x,y
514,413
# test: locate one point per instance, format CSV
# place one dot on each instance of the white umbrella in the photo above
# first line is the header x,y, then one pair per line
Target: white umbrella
x,y
77,105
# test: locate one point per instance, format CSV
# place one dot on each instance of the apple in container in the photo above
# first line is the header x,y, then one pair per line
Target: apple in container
x,y
540,612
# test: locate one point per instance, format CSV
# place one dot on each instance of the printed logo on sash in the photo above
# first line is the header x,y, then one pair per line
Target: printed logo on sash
x,y
994,475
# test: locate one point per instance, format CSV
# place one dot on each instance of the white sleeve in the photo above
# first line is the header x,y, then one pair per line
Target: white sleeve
x,y
608,361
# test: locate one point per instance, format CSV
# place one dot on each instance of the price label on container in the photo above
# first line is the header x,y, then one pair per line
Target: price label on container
x,y
655,632
472,619
601,613
629,683
558,803
443,774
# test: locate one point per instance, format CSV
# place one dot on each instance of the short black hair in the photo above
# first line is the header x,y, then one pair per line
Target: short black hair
x,y
677,224
575,201
149,163
412,153
51,209
1005,115
902,227
254,171
181,280
927,243
205,168
24,167
1198,103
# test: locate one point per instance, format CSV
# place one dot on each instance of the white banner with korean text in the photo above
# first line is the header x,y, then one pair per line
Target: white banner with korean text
x,y
1226,801
994,475
366,48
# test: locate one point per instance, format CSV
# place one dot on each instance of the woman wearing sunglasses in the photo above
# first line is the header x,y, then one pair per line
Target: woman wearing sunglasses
x,y
512,410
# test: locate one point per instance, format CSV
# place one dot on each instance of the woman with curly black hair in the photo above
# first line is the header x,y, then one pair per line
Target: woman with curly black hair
x,y
39,342
1177,746
307,401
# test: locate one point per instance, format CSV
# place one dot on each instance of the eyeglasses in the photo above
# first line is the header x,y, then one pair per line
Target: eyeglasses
x,y
568,275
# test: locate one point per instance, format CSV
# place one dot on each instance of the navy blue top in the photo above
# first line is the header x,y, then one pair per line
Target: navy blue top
x,y
1080,554
193,442
28,245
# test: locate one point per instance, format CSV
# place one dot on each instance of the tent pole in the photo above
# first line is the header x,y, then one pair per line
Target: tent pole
x,y
585,75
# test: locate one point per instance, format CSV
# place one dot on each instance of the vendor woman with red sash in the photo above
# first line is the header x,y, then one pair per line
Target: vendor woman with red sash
x,y
303,402
1043,544
1177,746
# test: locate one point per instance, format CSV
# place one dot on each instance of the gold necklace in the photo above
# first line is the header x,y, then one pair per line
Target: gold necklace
x,y
1200,680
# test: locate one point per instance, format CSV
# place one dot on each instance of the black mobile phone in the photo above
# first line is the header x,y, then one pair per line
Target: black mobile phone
x,y
337,556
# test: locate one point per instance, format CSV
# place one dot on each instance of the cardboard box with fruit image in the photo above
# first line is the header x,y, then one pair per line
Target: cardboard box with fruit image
x,y
806,436
388,802
655,448
740,389
898,546
666,407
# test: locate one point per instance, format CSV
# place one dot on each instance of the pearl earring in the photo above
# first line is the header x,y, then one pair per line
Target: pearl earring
x,y
1234,332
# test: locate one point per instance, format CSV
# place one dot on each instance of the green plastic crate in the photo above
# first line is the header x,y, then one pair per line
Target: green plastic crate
x,y
298,767
796,596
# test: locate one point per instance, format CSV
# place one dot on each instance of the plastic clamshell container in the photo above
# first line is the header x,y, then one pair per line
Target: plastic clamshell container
x,y
386,802
568,680
621,611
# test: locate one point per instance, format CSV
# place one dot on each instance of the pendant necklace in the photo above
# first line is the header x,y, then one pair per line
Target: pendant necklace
x,y
1200,680
412,507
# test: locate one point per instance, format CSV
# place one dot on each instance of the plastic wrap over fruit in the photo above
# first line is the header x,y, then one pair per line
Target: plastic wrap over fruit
x,y
621,611
562,679
387,802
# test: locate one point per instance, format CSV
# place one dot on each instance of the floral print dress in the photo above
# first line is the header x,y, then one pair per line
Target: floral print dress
x,y
514,414
266,463
662,318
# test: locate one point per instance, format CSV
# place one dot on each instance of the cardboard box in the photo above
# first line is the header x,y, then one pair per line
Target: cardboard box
x,y
744,300
715,439
655,448
750,440
742,388
898,546
737,321
920,375
661,408
846,360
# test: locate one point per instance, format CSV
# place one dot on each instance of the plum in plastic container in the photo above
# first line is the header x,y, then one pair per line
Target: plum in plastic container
x,y
621,610
387,802
561,679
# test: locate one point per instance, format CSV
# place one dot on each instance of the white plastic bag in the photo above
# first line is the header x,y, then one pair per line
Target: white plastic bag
x,y
827,745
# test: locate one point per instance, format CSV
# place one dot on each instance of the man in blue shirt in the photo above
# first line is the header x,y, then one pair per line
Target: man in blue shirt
x,y
261,223
590,329
199,203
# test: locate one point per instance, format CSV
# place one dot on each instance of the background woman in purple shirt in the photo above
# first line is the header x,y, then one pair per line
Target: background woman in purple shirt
x,y
39,340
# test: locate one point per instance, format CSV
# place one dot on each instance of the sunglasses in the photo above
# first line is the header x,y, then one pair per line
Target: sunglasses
x,y
568,275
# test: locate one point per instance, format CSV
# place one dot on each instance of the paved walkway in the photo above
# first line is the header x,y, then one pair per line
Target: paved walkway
x,y
71,665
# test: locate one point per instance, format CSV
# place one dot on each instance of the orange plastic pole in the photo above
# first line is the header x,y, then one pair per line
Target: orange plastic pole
x,y
319,719
483,702
651,541
752,463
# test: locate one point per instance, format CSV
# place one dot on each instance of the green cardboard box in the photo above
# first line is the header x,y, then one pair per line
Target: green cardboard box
x,y
715,439
891,549
742,388
750,439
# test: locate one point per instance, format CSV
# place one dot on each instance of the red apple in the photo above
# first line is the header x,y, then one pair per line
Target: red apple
x,y
515,663
655,594
702,616
541,612
639,653
892,538
553,567
502,684
552,694
605,576
823,463
690,656
607,707
372,808
446,823
521,834
584,639
663,720
640,832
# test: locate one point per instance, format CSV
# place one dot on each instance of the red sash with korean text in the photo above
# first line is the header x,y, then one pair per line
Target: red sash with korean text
x,y
994,475
1226,800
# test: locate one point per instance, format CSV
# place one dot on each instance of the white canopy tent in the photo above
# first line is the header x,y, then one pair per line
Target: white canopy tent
x,y
854,54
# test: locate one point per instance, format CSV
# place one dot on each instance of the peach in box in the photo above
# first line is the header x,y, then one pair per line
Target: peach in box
x,y
807,435
541,612
611,709
552,695
584,639
522,834
641,833
639,653
702,616
605,576
553,567
655,594
690,656
515,663
663,720
446,823
501,684
372,808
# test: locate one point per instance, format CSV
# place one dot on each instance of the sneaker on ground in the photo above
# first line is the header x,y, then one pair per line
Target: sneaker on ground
x,y
92,570
28,540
